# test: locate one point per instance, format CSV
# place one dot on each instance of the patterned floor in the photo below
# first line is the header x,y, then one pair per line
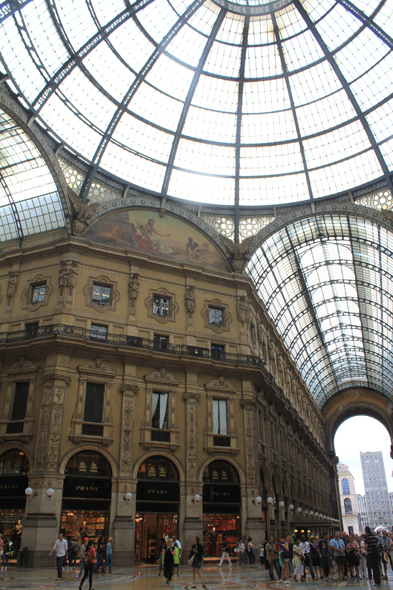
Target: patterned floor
x,y
146,578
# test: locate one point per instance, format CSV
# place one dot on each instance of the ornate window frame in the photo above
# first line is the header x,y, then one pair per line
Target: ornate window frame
x,y
23,370
27,293
96,372
220,389
160,381
173,306
227,317
88,293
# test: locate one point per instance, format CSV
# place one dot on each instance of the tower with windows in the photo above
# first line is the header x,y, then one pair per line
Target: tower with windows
x,y
348,500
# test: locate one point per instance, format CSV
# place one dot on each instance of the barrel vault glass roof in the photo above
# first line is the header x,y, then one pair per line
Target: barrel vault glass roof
x,y
242,102
328,283
29,199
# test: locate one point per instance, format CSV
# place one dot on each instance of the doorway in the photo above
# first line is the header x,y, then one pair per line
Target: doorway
x,y
150,532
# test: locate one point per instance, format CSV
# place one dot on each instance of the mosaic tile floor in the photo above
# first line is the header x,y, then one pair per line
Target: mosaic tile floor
x,y
146,578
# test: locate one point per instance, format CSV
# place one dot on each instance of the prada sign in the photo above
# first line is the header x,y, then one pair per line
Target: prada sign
x,y
219,493
87,487
157,491
13,486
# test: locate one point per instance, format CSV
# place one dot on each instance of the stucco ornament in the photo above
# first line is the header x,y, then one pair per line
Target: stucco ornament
x,y
83,209
238,250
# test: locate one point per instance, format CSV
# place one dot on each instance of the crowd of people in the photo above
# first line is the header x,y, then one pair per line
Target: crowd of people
x,y
339,558
91,557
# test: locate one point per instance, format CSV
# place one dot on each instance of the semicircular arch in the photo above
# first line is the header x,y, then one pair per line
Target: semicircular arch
x,y
161,453
14,445
221,457
88,447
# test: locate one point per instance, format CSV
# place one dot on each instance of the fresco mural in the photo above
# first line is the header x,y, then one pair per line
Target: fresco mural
x,y
168,237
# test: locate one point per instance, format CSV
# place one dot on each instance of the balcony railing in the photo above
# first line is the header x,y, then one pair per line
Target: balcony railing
x,y
221,441
14,427
161,435
92,429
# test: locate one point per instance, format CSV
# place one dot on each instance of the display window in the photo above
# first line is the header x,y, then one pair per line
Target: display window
x,y
150,533
75,523
217,526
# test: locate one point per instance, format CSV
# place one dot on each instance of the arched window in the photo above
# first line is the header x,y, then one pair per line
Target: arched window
x,y
158,468
220,472
348,506
345,486
14,462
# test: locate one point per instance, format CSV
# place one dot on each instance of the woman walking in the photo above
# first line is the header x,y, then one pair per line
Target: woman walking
x,y
168,554
83,549
284,555
88,562
298,559
195,560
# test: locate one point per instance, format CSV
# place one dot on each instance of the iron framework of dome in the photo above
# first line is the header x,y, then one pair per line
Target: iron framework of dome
x,y
241,109
234,103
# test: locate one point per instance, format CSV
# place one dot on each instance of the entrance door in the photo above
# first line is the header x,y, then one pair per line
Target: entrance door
x,y
150,532
217,526
73,522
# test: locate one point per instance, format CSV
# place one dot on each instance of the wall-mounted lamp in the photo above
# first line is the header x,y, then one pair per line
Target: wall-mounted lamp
x,y
196,499
299,509
270,500
316,514
291,507
30,493
257,500
295,530
127,497
50,492
281,503
311,513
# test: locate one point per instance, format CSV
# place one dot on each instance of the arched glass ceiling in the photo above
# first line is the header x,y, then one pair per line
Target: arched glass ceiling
x,y
328,283
212,101
29,200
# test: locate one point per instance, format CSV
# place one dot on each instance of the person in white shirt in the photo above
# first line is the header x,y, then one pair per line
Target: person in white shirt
x,y
305,545
61,548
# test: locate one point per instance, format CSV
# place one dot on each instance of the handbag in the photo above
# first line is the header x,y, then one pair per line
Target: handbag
x,y
192,559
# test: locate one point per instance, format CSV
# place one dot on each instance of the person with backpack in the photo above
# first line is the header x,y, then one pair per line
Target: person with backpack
x,y
83,549
195,560
225,552
61,548
88,563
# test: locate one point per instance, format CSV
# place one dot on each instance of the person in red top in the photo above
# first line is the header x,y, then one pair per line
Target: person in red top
x,y
89,567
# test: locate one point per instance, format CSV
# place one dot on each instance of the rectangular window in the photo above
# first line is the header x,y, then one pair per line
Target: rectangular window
x,y
20,400
220,416
160,411
38,293
216,316
31,329
218,352
98,332
161,305
101,294
94,402
160,342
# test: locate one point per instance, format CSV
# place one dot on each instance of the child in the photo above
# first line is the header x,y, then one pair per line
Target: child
x,y
261,555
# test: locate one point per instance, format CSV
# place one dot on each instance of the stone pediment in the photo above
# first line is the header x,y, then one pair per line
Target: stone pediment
x,y
23,365
97,367
220,384
161,376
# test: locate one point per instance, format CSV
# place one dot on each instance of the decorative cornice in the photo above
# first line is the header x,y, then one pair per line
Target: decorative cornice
x,y
129,387
56,376
97,366
220,385
162,376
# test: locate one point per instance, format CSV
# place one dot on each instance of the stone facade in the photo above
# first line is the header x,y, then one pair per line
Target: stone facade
x,y
274,432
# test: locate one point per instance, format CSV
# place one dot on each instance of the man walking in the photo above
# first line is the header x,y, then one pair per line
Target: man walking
x,y
61,548
271,557
225,552
305,545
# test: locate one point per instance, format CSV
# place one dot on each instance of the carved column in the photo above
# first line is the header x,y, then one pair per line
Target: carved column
x,y
48,443
129,391
193,512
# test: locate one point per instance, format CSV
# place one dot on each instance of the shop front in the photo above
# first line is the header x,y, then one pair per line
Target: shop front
x,y
86,496
221,507
14,469
157,503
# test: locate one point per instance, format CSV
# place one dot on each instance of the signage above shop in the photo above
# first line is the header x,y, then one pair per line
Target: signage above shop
x,y
157,491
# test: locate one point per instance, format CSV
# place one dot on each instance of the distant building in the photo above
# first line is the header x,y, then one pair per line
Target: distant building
x,y
348,499
376,488
363,513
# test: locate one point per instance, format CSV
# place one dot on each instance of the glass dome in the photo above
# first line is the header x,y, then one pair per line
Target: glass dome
x,y
231,103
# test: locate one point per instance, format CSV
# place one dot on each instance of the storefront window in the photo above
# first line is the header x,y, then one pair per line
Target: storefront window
x,y
158,468
14,463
